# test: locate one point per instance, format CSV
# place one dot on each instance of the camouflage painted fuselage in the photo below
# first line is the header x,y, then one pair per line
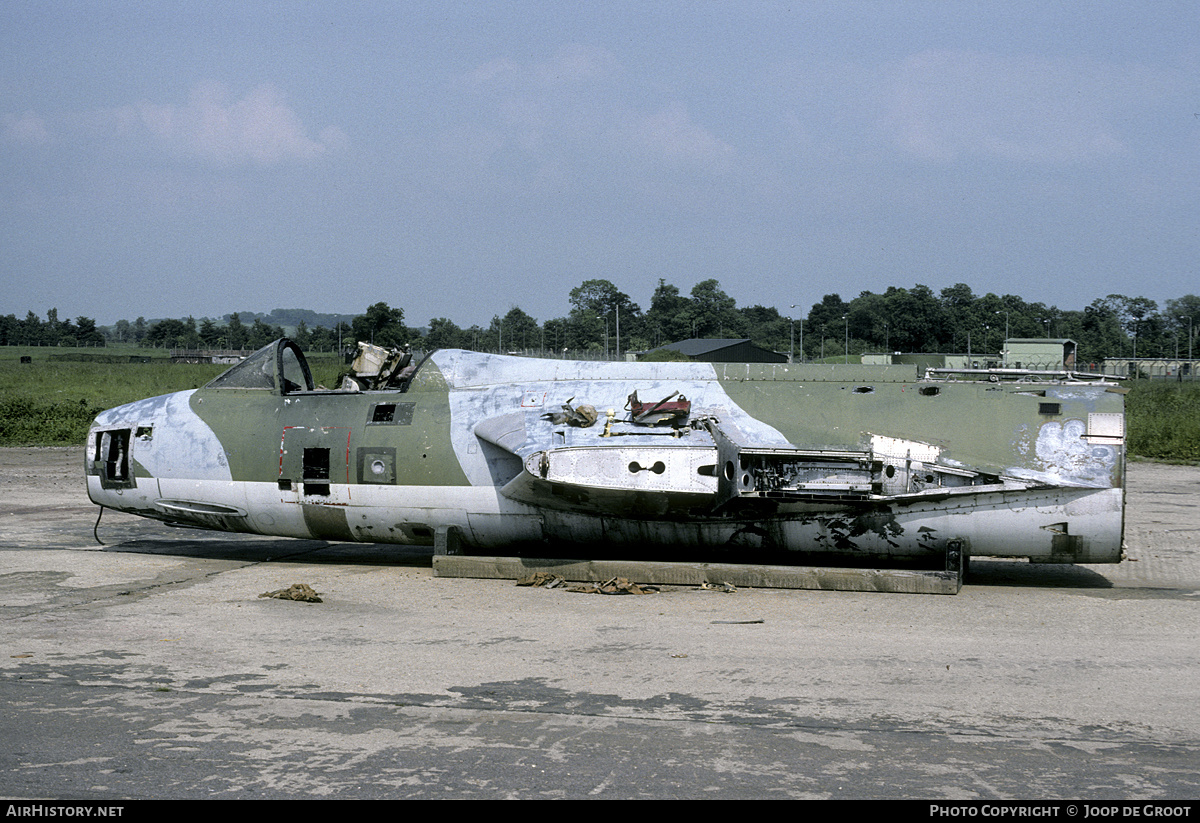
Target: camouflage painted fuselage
x,y
831,460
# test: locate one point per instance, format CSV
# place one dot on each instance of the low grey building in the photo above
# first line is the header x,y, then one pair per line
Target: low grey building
x,y
1047,353
1035,353
724,350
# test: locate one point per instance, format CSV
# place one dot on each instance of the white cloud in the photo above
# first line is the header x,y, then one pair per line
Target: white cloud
x,y
28,129
578,105
942,105
571,65
258,128
674,136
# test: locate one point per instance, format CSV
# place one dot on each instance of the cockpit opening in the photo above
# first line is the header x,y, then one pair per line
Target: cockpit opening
x,y
282,368
279,367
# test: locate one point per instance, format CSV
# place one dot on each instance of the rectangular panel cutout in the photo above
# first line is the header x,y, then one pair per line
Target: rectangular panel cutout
x,y
112,459
390,414
316,471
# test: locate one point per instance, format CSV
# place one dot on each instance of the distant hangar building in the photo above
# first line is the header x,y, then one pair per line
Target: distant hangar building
x,y
723,350
1035,353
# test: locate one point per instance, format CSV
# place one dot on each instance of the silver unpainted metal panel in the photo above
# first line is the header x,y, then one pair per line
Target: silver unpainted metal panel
x,y
676,469
1105,427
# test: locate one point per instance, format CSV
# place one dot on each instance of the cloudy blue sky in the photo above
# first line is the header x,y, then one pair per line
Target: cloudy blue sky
x,y
456,159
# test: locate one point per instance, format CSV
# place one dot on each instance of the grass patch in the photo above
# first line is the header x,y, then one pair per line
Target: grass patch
x,y
52,402
1162,420
26,421
44,354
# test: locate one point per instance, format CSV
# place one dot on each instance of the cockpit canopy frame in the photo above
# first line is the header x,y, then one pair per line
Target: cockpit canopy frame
x,y
279,367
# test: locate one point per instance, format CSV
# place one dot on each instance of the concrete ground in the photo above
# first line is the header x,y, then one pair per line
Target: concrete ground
x,y
149,667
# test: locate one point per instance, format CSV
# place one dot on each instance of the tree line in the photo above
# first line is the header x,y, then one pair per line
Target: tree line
x,y
604,321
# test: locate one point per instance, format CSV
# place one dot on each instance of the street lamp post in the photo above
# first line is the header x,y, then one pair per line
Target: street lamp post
x,y
846,318
1004,344
793,357
618,331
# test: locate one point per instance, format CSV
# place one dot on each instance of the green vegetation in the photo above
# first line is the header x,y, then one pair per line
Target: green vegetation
x,y
52,403
665,356
1162,419
26,421
605,321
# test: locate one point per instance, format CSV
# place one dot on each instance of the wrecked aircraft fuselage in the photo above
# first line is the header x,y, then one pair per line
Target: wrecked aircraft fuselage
x,y
479,452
